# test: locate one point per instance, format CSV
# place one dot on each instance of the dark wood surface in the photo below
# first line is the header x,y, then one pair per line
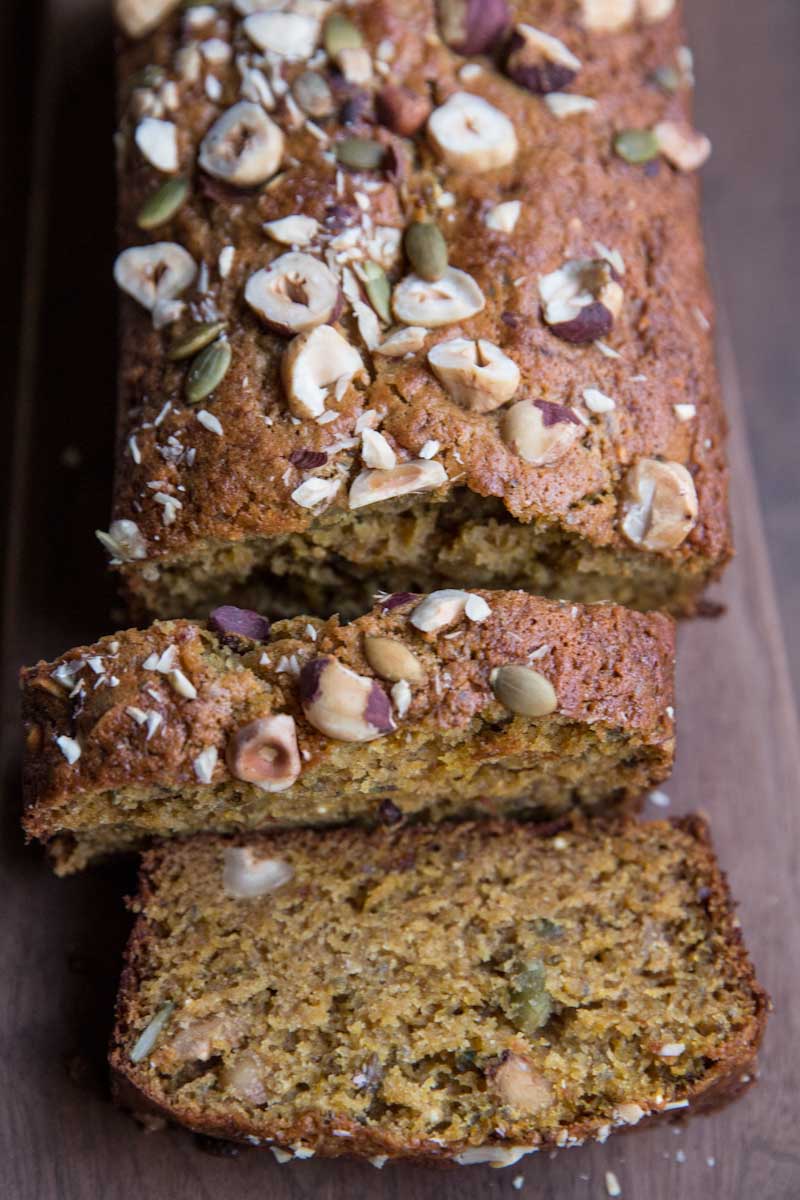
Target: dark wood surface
x,y
60,941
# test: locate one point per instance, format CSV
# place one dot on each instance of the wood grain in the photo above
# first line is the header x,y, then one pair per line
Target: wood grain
x,y
61,940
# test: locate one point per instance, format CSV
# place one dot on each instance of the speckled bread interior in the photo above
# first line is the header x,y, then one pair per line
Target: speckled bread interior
x,y
218,496
131,738
467,993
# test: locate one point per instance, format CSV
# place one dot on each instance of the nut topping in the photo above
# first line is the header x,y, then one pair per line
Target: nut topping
x,y
469,134
656,10
244,147
292,36
581,300
244,876
342,704
376,451
681,145
124,541
295,293
151,274
401,110
608,16
158,142
539,431
442,608
392,660
476,374
503,217
265,753
520,1086
539,62
313,362
402,341
292,231
239,622
139,17
454,297
472,26
374,486
524,691
659,504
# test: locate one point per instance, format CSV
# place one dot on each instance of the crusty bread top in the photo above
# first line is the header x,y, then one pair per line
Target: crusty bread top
x,y
183,482
136,724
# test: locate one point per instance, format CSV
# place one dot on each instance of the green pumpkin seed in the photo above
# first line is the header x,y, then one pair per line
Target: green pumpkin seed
x,y
378,289
312,93
149,1035
669,78
523,690
531,1004
426,250
208,371
636,145
340,34
360,153
198,337
163,204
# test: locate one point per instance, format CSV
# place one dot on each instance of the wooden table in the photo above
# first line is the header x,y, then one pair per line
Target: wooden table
x,y
738,758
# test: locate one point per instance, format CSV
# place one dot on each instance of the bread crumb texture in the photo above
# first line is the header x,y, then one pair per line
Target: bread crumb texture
x,y
399,313
468,992
439,705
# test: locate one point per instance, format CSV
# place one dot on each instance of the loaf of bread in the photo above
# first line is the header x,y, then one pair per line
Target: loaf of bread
x,y
413,296
454,703
467,992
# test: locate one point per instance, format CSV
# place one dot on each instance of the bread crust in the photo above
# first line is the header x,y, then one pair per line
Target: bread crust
x,y
237,517
728,1078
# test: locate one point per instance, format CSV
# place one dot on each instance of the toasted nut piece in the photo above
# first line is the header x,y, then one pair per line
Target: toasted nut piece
x,y
124,541
158,142
392,660
243,1076
342,704
522,1087
355,63
295,293
656,10
311,363
503,217
581,299
540,432
564,104
426,250
681,145
372,487
523,690
265,753
469,134
472,26
454,297
376,451
477,374
228,620
197,1039
313,94
403,341
243,147
292,231
439,609
659,504
607,16
292,36
401,110
245,876
154,273
138,17
539,62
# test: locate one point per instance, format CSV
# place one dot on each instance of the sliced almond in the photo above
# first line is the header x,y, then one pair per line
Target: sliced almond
x,y
265,753
290,35
392,660
154,274
158,142
540,432
313,362
477,374
374,486
292,231
295,293
342,704
581,299
659,504
681,145
243,147
607,16
139,17
469,134
454,297
376,451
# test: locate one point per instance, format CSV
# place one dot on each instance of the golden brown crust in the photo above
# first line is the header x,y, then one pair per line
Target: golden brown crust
x,y
612,671
729,1072
235,490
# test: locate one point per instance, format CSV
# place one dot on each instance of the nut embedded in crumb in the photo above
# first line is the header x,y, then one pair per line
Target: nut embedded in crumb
x,y
265,752
443,608
297,230
454,297
401,110
540,431
476,374
472,26
313,362
373,486
469,134
524,691
520,1086
244,876
156,273
342,704
286,35
581,299
540,62
295,293
681,145
659,504
244,147
392,660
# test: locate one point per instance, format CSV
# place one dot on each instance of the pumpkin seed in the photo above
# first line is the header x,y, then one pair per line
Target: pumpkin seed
x,y
360,153
208,371
149,1035
198,337
150,76
163,204
312,93
340,34
524,691
636,145
426,250
378,289
531,1004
